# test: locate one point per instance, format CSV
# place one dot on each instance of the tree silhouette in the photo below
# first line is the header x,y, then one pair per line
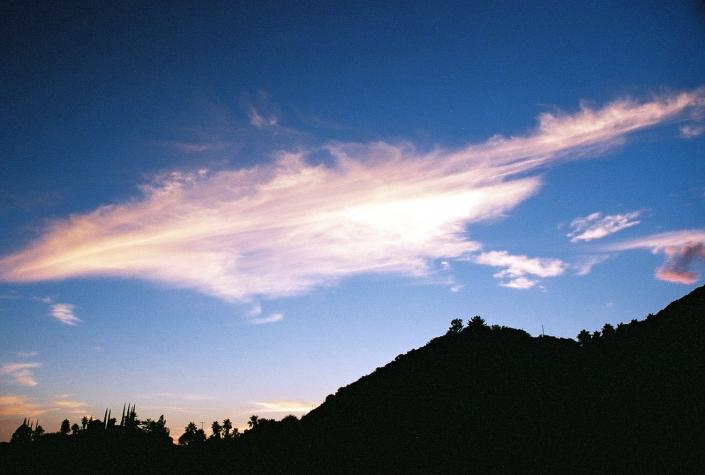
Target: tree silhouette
x,y
38,431
476,322
227,427
65,427
253,422
584,337
75,429
192,436
23,434
189,435
84,423
608,331
456,325
217,430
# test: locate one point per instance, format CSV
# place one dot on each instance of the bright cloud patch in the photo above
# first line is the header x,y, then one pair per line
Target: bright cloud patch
x,y
289,407
21,373
597,226
285,228
520,272
63,312
683,251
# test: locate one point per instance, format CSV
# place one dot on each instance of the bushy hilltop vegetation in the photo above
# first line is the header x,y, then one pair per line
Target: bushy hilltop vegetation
x,y
479,399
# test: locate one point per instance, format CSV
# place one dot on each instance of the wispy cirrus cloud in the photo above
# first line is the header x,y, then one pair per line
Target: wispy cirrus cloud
x,y
519,271
691,131
195,147
20,406
260,120
597,225
584,265
64,313
272,318
25,354
21,373
66,404
289,407
261,113
290,226
683,250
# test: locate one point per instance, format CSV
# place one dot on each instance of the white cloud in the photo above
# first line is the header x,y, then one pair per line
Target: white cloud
x,y
597,226
519,283
285,228
255,310
691,131
64,313
683,250
289,407
273,318
261,112
516,268
21,373
585,265
261,120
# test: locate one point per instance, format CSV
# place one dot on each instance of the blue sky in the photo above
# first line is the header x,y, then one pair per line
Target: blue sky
x,y
219,211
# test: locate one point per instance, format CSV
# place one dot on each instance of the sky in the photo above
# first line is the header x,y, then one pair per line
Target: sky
x,y
234,209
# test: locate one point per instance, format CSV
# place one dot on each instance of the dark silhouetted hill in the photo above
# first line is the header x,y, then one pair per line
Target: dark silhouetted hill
x,y
496,400
479,399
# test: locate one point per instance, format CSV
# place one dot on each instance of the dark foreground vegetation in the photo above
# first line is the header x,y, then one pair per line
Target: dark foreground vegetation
x,y
479,399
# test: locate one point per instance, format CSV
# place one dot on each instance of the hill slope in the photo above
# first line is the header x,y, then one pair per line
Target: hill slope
x,y
498,400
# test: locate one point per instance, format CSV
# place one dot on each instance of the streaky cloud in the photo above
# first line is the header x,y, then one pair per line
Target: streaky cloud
x,y
683,249
287,227
289,407
596,225
584,265
19,405
273,318
64,313
21,373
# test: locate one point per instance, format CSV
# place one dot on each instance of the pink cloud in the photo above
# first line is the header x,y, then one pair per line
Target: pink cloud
x,y
683,250
290,226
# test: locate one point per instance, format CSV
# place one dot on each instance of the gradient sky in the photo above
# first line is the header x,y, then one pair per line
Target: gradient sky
x,y
214,212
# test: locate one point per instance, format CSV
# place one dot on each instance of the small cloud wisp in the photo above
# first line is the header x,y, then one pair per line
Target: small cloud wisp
x,y
64,313
597,225
21,373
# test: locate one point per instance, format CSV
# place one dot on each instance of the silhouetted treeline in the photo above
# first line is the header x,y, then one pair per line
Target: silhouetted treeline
x,y
480,399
